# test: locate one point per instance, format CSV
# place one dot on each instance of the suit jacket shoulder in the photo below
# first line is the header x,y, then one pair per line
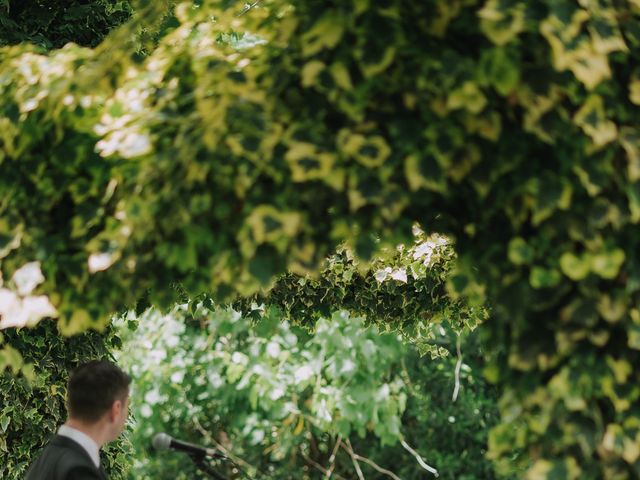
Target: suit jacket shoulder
x,y
64,459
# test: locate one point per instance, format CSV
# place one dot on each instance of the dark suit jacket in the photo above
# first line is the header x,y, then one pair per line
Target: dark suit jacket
x,y
64,459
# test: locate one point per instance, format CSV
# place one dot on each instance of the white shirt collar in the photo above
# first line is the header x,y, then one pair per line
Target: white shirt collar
x,y
84,440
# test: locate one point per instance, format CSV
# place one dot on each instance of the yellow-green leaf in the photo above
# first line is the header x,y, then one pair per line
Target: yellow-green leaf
x,y
467,96
79,321
502,20
592,118
630,141
310,72
607,264
575,267
519,252
325,33
544,277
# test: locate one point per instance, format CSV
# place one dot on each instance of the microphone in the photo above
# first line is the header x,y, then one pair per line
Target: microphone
x,y
162,442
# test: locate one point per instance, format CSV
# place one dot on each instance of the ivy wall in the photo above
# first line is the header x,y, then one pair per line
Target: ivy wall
x,y
511,127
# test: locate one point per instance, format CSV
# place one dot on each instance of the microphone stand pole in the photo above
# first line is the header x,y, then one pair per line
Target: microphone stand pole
x,y
200,463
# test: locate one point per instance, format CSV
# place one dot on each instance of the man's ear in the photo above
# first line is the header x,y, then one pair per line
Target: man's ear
x,y
114,411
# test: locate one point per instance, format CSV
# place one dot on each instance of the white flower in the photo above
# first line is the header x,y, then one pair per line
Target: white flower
x,y
29,105
28,277
273,349
145,411
381,275
37,308
239,357
302,374
16,312
276,393
423,249
348,366
215,379
100,261
383,393
173,341
322,412
85,101
399,274
9,306
109,145
152,397
135,145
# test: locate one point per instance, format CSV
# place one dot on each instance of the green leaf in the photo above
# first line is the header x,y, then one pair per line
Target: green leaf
x,y
500,70
575,267
265,264
10,358
607,264
467,96
544,277
325,33
4,423
502,20
519,252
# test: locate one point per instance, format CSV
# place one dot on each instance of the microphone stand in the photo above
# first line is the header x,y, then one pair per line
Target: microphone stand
x,y
198,460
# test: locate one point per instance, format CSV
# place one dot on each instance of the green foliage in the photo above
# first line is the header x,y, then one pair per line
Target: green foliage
x,y
451,435
53,24
32,400
267,388
510,127
281,399
403,289
32,395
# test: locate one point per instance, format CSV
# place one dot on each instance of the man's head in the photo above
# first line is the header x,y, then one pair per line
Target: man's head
x,y
98,392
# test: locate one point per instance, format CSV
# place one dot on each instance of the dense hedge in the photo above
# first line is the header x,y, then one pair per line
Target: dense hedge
x,y
452,435
35,363
278,398
53,24
402,290
32,406
509,126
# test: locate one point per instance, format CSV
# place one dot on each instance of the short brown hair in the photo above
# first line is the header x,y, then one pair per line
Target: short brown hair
x,y
93,387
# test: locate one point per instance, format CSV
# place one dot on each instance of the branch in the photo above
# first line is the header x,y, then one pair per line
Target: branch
x,y
419,459
209,438
354,459
247,7
368,461
332,458
456,389
315,464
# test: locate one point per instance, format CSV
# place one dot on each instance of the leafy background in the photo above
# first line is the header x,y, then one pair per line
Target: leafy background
x,y
279,399
32,398
53,24
35,363
509,127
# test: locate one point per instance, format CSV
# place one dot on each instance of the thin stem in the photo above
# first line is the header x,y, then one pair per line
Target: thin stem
x,y
247,7
332,459
219,446
456,389
356,465
316,465
370,462
417,456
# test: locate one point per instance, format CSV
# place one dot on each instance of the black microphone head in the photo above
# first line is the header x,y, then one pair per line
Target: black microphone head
x,y
161,441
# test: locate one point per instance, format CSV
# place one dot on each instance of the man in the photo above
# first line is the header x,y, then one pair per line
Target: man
x,y
97,407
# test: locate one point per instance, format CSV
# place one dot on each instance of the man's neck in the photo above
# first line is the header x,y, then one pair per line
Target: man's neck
x,y
95,431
